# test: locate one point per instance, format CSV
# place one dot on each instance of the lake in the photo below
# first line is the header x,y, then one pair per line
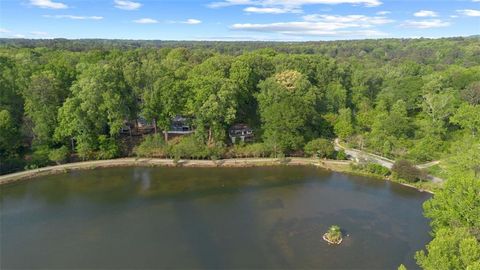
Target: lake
x,y
209,218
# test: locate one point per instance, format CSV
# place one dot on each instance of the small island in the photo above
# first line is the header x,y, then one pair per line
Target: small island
x,y
333,235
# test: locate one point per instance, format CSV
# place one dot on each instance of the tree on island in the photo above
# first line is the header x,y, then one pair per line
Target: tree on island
x,y
333,235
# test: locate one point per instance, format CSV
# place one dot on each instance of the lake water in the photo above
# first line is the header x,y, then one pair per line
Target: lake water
x,y
209,218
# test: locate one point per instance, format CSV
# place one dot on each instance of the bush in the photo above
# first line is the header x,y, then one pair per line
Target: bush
x,y
341,155
249,150
321,148
58,155
39,158
404,169
334,234
188,147
152,146
377,169
107,147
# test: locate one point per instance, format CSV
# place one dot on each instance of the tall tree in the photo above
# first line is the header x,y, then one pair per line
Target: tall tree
x,y
214,100
286,104
100,104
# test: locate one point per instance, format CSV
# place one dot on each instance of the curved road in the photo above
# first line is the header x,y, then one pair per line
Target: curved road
x,y
358,155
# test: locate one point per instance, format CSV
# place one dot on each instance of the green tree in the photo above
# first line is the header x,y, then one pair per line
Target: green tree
x,y
246,72
100,103
59,155
43,98
214,100
456,205
344,124
451,249
321,148
468,117
471,93
286,103
404,169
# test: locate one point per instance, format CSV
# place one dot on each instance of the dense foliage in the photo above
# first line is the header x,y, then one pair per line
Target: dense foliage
x,y
415,100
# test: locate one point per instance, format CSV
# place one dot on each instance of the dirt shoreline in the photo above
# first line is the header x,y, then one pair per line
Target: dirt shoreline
x,y
332,165
335,165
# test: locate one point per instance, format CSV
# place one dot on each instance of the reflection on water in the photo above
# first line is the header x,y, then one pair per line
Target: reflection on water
x,y
210,218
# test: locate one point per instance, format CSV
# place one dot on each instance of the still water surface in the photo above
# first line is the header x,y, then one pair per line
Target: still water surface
x,y
209,218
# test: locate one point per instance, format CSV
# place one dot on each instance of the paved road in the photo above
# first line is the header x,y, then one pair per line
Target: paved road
x,y
359,155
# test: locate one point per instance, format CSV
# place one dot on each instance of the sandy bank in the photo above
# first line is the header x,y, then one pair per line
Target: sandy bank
x,y
334,165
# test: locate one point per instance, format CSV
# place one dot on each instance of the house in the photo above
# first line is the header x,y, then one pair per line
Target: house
x,y
241,132
181,125
137,127
143,126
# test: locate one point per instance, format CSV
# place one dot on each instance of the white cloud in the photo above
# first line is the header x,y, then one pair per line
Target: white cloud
x,y
39,33
48,4
470,12
127,5
425,24
385,12
355,20
4,31
188,21
271,10
290,4
145,21
425,13
192,21
475,0
228,3
19,36
74,17
318,25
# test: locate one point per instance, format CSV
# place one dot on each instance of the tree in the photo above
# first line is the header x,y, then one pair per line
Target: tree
x,y
246,72
43,98
451,249
336,97
286,102
404,169
163,87
214,101
321,148
59,155
456,205
468,117
471,93
439,106
8,135
100,103
344,124
464,157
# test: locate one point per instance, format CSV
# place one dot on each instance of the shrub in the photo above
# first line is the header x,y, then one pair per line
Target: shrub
x,y
58,155
107,147
152,146
249,150
321,148
39,158
404,169
188,147
341,155
334,233
377,169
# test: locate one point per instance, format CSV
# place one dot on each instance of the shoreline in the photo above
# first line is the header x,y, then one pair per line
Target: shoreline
x,y
331,165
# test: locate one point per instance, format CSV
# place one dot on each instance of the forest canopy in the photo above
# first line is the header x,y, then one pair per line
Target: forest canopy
x,y
415,99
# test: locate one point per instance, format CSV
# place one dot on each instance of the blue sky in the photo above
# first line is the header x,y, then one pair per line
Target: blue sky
x,y
286,20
